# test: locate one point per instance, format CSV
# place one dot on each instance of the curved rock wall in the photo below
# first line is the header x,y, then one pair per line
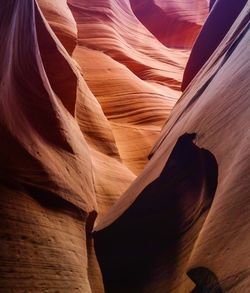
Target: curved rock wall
x,y
142,77
84,92
175,23
216,108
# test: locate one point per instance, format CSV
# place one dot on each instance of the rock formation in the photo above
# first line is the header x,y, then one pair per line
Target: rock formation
x,y
213,30
175,23
85,89
210,245
141,75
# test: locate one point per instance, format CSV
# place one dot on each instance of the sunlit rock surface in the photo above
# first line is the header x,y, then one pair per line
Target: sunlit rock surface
x,y
85,89
134,77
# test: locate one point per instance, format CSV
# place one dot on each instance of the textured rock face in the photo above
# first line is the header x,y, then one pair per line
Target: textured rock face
x,y
46,179
69,129
56,146
216,108
175,23
61,21
84,91
141,75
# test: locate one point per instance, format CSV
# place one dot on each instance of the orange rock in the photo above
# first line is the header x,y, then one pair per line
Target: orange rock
x,y
63,157
85,89
134,77
61,21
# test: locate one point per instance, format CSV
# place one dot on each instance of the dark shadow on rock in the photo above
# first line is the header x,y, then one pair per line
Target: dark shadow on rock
x,y
222,16
130,248
211,4
205,280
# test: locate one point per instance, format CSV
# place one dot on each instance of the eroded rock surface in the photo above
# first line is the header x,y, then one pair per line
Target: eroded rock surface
x,y
215,107
175,23
85,89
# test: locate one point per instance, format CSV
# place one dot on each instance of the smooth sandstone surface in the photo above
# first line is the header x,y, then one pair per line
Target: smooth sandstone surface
x,y
58,151
175,23
61,21
85,89
211,245
141,75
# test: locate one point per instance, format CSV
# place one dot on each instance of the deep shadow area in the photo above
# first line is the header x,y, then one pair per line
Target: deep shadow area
x,y
211,4
129,249
212,33
205,280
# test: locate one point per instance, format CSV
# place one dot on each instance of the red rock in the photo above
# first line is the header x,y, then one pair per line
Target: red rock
x,y
175,23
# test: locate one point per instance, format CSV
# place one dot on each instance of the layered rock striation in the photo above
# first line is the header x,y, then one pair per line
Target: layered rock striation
x,y
85,89
176,226
175,23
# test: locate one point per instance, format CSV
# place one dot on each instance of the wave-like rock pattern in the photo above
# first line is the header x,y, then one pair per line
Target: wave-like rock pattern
x,y
213,230
85,89
60,163
142,77
175,23
61,21
62,150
